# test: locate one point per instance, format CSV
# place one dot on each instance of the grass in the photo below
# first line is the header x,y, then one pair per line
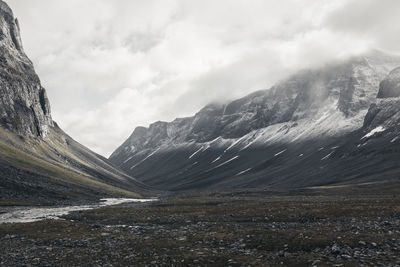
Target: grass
x,y
27,162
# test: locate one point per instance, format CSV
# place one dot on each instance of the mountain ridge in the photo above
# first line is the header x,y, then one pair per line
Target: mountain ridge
x,y
322,104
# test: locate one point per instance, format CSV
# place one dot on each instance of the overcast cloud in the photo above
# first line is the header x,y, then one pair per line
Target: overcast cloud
x,y
112,65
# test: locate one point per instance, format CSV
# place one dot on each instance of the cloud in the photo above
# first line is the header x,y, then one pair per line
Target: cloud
x,y
110,66
372,20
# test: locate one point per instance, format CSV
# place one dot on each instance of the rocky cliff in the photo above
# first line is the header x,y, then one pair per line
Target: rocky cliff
x,y
24,105
390,86
384,115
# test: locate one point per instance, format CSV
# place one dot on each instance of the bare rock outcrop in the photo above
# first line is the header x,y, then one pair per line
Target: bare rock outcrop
x,y
24,107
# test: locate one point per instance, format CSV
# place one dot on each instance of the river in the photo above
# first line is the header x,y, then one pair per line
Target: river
x,y
33,214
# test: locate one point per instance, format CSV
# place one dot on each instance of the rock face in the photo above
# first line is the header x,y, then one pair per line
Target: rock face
x,y
390,86
24,105
384,115
240,143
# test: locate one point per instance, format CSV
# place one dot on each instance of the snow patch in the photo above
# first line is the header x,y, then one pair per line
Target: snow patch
x,y
226,162
378,129
234,144
140,162
249,144
327,156
128,159
277,154
243,172
215,160
191,156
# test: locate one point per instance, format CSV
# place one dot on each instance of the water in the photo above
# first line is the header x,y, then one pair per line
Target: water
x,y
29,214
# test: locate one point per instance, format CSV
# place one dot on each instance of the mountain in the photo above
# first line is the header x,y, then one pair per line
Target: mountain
x,y
39,163
316,128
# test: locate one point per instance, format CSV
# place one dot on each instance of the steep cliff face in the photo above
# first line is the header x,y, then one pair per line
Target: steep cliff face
x,y
384,116
390,86
24,105
311,107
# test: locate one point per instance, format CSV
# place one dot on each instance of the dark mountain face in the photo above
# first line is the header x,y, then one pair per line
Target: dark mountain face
x,y
390,86
38,161
24,105
290,135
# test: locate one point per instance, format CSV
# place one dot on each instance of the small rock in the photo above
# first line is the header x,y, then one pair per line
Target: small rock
x,y
335,249
346,257
362,243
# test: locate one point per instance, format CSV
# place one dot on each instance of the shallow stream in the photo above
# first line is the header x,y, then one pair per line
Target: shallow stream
x,y
33,214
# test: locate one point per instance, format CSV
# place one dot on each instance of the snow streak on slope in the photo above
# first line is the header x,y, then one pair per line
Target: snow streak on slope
x,y
151,154
267,129
378,129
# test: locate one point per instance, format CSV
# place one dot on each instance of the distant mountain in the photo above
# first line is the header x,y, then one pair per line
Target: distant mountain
x,y
315,128
39,163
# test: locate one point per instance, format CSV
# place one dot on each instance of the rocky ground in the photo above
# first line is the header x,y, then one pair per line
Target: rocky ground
x,y
232,229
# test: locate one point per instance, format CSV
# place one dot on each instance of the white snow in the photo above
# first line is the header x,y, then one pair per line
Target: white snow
x,y
378,129
140,162
234,143
23,215
200,149
206,147
249,144
243,172
128,159
277,154
361,145
327,156
215,140
215,160
226,162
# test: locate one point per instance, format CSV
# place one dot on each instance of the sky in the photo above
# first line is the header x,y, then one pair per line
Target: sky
x,y
112,65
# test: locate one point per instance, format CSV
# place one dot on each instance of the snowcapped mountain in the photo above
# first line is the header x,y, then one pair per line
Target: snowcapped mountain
x,y
291,135
39,163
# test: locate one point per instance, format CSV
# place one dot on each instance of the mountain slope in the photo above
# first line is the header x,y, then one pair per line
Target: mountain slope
x,y
38,162
288,136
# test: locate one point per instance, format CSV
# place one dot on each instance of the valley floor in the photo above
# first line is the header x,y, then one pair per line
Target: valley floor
x,y
313,228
